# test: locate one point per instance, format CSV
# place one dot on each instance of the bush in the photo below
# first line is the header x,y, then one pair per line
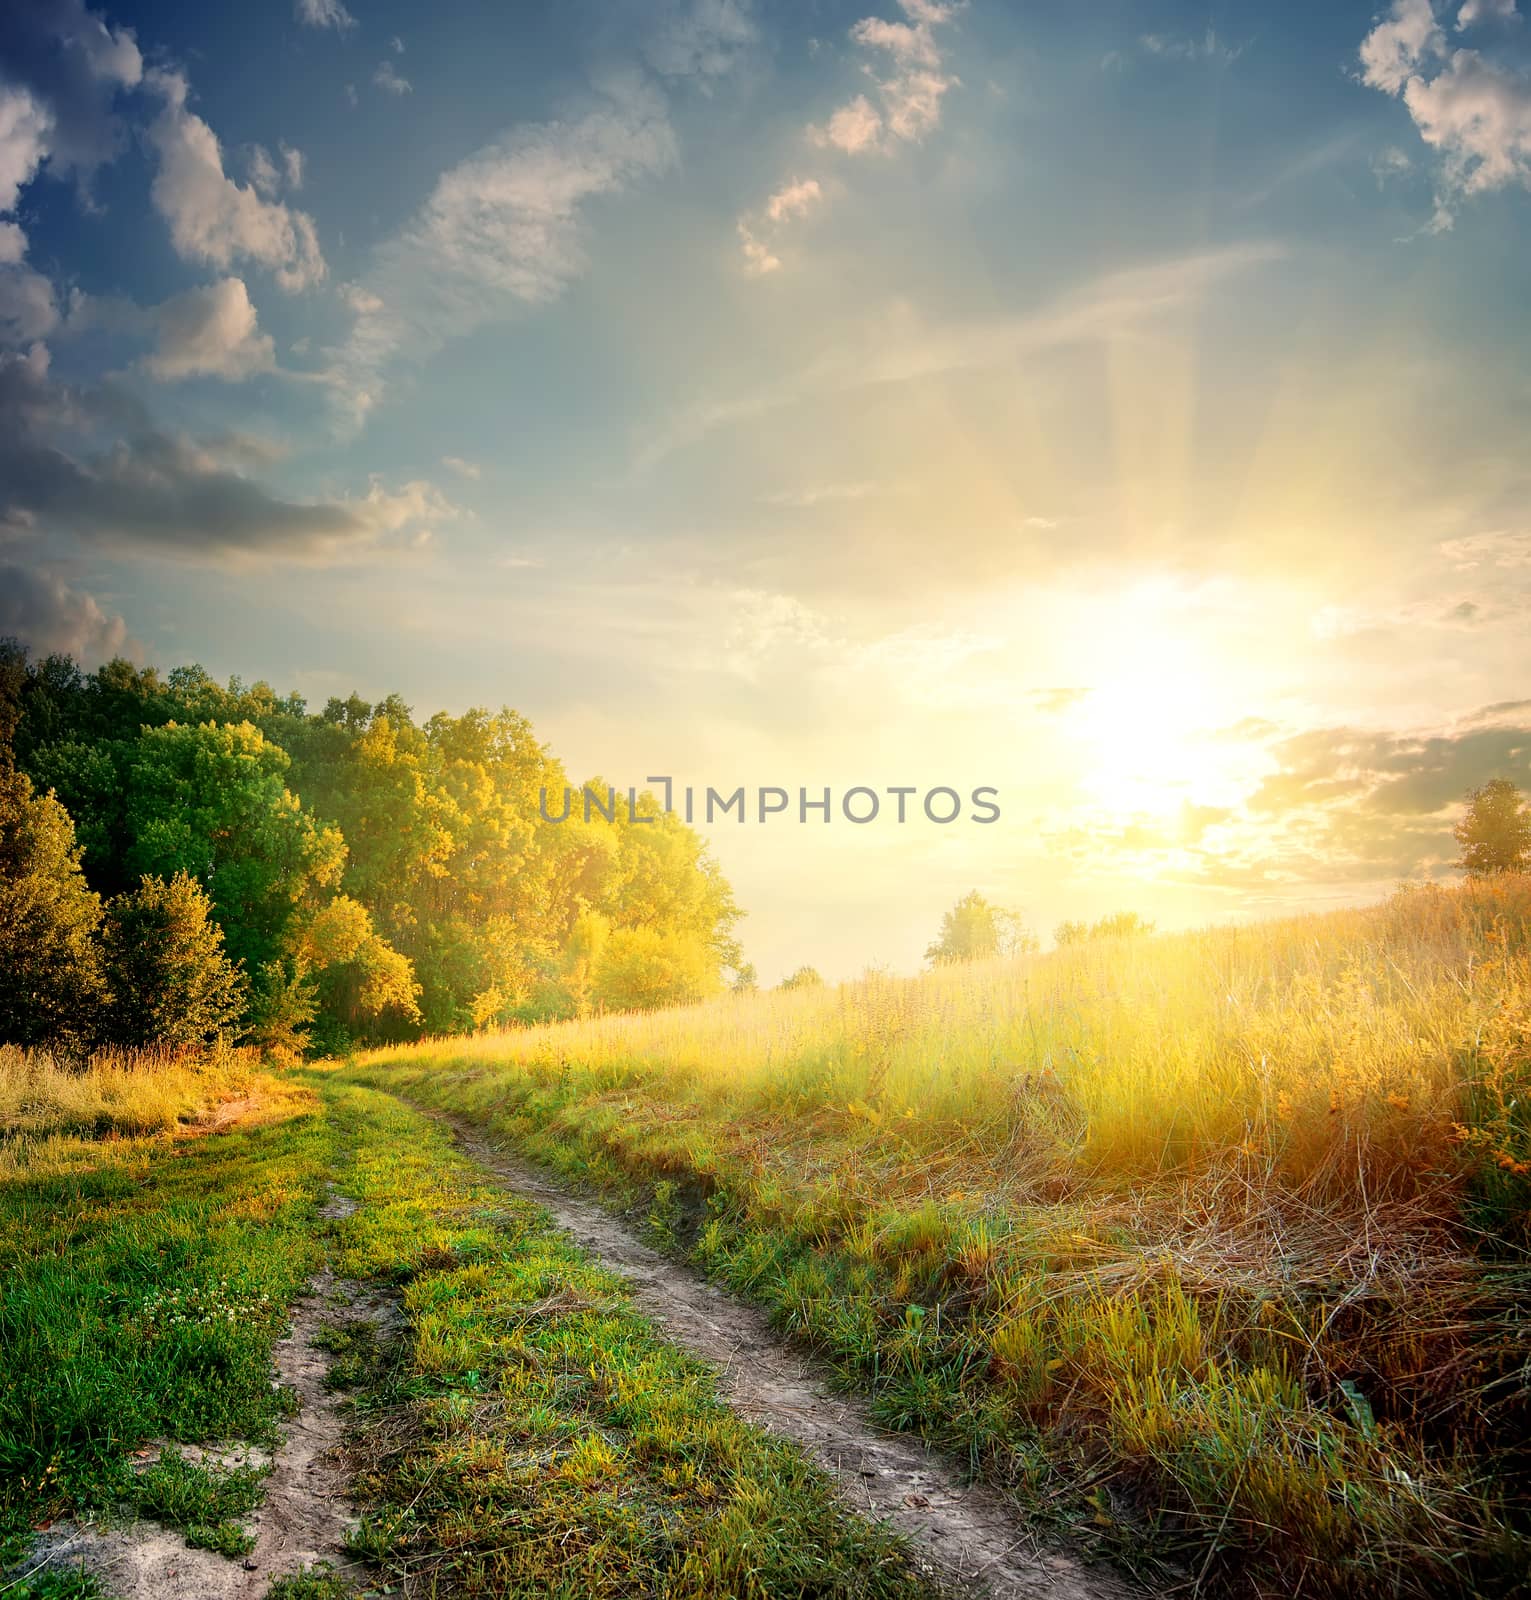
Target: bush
x,y
170,979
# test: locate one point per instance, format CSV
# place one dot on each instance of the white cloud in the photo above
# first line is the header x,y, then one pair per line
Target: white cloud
x,y
293,164
212,218
324,14
855,127
396,44
911,94
501,229
795,199
25,124
466,469
13,244
1476,11
1478,115
909,46
758,259
263,173
1398,43
1475,112
1390,163
387,78
1208,46
211,332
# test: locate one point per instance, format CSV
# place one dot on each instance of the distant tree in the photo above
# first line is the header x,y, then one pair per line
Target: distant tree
x,y
1015,935
1119,925
970,931
803,978
746,979
170,980
1495,831
51,985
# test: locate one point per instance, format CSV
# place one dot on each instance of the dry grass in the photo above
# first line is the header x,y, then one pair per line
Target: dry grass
x,y
1233,1221
116,1091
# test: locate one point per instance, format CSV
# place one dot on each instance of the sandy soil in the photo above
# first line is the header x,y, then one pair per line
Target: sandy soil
x,y
304,1517
970,1533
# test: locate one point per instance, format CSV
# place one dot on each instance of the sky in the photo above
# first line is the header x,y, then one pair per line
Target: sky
x,y
1122,406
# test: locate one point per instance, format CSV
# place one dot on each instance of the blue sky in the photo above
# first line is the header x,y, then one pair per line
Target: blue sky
x,y
1123,404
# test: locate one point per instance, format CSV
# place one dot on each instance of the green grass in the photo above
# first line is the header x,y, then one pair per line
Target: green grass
x,y
1211,1245
523,1431
143,1283
536,1437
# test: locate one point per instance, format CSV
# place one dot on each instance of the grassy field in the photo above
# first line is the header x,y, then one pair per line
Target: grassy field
x,y
522,1432
1210,1244
143,1282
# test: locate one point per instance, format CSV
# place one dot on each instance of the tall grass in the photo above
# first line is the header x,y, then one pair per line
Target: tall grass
x,y
1232,1222
115,1091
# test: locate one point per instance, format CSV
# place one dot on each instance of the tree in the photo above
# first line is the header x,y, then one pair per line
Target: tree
x,y
1495,831
212,801
746,979
803,978
1015,936
641,968
51,986
283,1002
170,980
970,931
361,977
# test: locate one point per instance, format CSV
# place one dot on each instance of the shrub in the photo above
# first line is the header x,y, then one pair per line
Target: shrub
x,y
171,981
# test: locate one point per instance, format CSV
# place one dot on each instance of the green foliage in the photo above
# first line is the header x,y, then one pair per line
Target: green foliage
x,y
212,801
283,1003
1495,830
641,968
170,981
372,875
51,984
205,1502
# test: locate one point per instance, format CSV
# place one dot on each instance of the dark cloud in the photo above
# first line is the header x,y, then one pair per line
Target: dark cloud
x,y
1392,775
48,615
146,489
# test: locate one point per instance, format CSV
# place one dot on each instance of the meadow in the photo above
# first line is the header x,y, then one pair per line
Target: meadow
x,y
1208,1246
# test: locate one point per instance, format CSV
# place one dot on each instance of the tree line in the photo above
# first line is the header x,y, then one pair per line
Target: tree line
x,y
181,858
